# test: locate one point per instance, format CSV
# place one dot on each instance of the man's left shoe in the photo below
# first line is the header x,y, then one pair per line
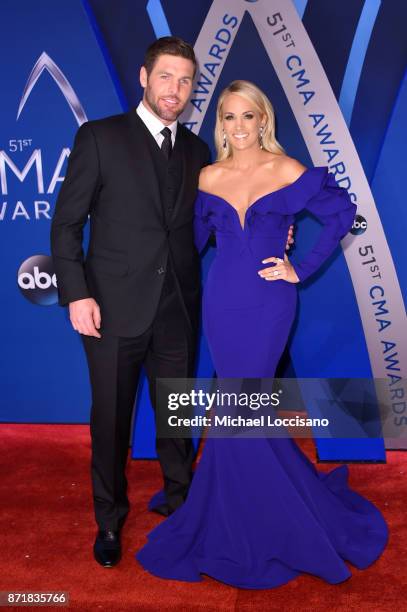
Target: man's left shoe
x,y
107,548
163,509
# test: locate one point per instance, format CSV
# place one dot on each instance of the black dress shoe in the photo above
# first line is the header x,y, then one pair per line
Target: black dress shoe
x,y
107,549
163,509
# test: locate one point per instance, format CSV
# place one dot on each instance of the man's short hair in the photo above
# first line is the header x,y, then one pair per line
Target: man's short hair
x,y
169,45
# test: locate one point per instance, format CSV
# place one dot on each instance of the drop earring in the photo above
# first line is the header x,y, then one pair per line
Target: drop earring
x,y
224,140
261,137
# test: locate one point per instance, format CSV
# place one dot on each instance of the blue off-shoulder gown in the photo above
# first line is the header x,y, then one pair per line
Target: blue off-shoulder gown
x,y
258,513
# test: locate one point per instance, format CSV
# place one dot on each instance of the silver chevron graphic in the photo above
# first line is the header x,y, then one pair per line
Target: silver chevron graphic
x,y
45,62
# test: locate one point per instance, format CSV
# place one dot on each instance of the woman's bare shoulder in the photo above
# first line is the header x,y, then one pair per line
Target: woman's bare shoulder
x,y
210,175
289,168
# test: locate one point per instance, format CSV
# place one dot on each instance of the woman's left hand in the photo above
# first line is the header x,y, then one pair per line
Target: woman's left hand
x,y
283,270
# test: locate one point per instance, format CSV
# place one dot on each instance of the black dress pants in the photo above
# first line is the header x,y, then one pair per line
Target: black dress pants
x,y
166,350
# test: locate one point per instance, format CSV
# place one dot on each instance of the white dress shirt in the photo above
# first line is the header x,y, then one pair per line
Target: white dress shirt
x,y
154,125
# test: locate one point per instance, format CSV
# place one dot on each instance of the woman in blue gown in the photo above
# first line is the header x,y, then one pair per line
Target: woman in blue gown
x,y
258,513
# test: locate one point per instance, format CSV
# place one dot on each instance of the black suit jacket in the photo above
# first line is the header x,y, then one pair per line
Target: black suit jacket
x,y
112,178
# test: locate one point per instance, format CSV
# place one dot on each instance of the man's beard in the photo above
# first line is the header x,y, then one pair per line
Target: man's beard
x,y
166,115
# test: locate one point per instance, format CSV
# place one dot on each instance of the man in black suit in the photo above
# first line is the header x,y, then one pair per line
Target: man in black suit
x,y
135,297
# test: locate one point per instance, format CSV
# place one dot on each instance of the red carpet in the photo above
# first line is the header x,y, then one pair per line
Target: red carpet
x,y
47,533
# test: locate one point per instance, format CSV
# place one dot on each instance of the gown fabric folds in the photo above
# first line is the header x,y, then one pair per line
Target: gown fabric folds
x,y
258,512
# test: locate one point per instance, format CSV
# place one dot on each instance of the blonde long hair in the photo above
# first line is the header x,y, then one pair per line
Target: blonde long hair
x,y
252,93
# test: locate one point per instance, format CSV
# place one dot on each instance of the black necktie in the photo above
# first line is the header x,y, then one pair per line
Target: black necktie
x,y
166,145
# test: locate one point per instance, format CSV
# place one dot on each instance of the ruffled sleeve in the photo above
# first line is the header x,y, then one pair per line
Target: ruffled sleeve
x,y
202,230
332,205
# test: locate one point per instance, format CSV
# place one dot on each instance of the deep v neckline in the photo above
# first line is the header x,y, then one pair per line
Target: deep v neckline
x,y
243,227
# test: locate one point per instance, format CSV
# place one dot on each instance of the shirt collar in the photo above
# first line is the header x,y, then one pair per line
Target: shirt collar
x,y
153,124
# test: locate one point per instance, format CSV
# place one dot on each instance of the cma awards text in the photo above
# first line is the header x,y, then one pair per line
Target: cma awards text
x,y
31,170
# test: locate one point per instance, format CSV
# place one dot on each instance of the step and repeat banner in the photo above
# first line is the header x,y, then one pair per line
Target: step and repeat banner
x,y
335,74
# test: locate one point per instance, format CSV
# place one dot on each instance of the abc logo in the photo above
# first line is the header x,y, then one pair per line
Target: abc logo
x,y
37,280
359,225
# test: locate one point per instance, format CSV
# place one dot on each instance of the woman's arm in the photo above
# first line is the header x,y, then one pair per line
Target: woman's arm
x,y
333,207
